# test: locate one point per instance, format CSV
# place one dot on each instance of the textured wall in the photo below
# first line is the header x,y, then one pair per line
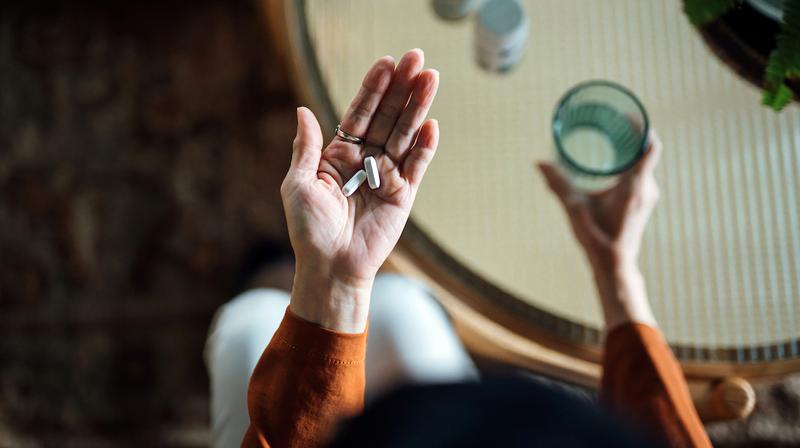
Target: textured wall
x,y
142,146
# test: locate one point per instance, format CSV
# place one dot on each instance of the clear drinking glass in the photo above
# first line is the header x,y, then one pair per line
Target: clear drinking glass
x,y
600,130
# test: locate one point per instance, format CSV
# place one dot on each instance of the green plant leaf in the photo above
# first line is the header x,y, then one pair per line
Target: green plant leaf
x,y
784,61
701,12
777,98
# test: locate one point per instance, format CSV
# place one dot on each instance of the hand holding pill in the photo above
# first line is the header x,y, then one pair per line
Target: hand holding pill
x,y
347,204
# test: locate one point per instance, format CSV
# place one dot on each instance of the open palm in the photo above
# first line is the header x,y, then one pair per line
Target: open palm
x,y
351,237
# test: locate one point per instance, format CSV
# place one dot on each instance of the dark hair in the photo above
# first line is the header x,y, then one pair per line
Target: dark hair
x,y
498,412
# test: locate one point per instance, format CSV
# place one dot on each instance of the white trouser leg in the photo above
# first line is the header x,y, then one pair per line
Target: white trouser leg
x,y
239,333
411,340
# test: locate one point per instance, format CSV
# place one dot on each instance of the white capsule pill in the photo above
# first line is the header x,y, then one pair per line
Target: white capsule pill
x,y
352,185
373,178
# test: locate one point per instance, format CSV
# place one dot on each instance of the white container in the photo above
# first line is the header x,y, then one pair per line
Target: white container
x,y
454,9
501,31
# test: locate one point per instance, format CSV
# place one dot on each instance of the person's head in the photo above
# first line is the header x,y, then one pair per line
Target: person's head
x,y
493,413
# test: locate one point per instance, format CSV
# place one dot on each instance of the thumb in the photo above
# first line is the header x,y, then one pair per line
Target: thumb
x,y
555,180
307,146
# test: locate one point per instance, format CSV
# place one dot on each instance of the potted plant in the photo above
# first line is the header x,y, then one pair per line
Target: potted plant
x,y
760,39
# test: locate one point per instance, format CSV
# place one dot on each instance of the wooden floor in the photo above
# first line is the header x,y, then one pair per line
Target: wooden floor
x,y
141,151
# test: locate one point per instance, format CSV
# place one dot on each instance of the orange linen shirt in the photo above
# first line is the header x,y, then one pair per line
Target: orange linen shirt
x,y
310,377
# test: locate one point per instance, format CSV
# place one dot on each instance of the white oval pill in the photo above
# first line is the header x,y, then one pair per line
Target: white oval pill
x,y
352,185
373,178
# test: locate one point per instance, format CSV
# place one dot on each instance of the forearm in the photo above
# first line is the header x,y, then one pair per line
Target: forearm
x,y
307,379
641,377
644,382
312,372
622,292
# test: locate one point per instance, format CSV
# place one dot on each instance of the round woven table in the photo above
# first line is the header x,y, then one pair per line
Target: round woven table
x,y
719,255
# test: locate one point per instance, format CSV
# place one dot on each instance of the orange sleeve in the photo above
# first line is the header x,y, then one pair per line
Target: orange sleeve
x,y
643,381
307,378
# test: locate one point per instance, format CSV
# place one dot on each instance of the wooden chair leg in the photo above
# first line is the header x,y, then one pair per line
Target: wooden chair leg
x,y
730,398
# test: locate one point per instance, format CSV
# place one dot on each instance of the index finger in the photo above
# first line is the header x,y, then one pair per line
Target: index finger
x,y
358,116
556,181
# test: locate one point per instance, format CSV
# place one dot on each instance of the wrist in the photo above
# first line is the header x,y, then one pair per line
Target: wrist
x,y
334,301
613,260
619,282
623,295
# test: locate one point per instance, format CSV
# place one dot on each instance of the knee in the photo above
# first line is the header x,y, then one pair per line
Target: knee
x,y
395,296
244,326
254,308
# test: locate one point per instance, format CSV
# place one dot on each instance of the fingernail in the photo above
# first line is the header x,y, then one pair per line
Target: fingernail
x,y
419,50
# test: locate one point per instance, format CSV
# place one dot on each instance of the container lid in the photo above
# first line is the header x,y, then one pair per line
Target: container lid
x,y
501,16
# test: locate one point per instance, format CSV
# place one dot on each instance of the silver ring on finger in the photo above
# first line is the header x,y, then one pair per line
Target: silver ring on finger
x,y
349,138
